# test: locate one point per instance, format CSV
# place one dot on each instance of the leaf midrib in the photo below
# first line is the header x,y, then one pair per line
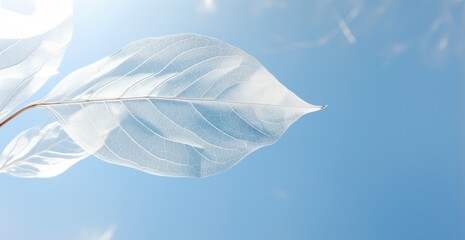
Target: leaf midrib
x,y
47,104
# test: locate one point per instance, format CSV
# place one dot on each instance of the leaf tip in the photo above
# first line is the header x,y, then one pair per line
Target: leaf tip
x,y
314,108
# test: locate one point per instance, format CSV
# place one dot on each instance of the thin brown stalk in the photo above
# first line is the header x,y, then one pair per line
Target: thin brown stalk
x,y
17,113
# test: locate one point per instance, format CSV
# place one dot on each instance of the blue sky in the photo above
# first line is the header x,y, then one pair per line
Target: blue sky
x,y
385,160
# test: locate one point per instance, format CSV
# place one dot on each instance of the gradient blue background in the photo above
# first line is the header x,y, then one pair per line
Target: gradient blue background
x,y
385,160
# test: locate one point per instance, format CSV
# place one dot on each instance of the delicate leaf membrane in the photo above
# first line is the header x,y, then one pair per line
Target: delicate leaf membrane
x,y
181,105
40,153
31,47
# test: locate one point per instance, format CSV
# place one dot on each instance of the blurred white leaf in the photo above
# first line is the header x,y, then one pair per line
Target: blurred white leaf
x,y
40,153
181,105
33,38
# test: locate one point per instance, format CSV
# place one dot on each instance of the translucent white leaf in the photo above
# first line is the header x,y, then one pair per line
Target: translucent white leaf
x,y
40,153
181,105
33,38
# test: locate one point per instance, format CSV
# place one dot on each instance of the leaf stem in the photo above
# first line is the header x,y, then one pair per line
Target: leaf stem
x,y
17,113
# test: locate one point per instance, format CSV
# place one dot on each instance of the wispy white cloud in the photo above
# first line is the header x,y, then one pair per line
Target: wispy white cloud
x,y
445,39
379,10
108,234
393,51
440,42
341,27
398,48
355,11
346,31
207,6
264,5
443,43
296,45
370,23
